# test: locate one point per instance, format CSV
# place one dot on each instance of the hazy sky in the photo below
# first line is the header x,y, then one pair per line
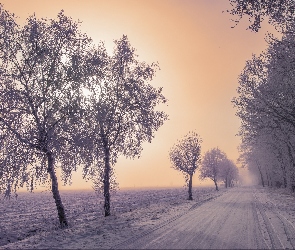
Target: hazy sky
x,y
200,57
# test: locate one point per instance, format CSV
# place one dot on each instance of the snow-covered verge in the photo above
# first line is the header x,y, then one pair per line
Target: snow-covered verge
x,y
276,216
277,199
284,201
30,221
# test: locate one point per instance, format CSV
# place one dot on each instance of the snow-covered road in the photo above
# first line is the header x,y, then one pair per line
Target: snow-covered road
x,y
241,218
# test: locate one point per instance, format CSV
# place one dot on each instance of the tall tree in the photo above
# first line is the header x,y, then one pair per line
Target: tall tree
x,y
280,13
185,157
121,111
212,164
39,93
265,104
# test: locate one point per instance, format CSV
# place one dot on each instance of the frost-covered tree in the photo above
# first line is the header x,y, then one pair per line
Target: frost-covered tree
x,y
185,157
265,105
39,95
14,159
211,165
280,13
228,172
269,156
250,158
121,111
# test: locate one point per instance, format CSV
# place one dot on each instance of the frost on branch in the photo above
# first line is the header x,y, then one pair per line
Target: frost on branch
x,y
39,99
265,105
280,13
212,164
228,173
185,157
119,113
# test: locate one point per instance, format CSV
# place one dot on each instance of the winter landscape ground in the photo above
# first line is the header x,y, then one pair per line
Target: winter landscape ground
x,y
239,217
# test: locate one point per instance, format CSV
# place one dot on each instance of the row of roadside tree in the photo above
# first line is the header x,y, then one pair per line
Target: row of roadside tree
x,y
65,102
266,96
185,157
266,107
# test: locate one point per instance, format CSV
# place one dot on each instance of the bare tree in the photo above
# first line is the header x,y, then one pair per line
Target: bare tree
x,y
39,93
211,165
120,112
185,157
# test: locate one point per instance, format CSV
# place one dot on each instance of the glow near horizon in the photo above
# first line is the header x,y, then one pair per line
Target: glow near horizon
x,y
200,57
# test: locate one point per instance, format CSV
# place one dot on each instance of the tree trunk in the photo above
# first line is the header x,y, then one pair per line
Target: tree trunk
x,y
261,176
226,182
285,181
270,180
106,182
60,208
267,177
216,187
291,168
190,186
283,167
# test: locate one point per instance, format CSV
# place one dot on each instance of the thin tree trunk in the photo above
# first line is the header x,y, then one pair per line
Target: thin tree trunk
x,y
283,167
60,208
226,184
267,177
106,182
216,187
285,181
190,186
261,176
291,168
270,180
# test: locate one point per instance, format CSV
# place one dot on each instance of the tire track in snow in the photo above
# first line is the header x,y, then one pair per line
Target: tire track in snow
x,y
238,229
271,234
225,218
288,229
228,222
149,231
280,231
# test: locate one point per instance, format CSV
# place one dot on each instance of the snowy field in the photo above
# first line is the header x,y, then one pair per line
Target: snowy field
x,y
30,221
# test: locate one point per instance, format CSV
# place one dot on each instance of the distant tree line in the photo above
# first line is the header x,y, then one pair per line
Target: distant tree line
x,y
185,157
65,102
218,168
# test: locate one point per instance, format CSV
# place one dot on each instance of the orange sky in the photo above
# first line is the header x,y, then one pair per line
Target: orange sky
x,y
200,57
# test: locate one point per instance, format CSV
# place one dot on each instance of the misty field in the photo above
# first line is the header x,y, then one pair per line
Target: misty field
x,y
30,221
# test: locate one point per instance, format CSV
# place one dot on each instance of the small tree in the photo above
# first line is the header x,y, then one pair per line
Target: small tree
x,y
211,165
229,172
185,157
120,111
39,95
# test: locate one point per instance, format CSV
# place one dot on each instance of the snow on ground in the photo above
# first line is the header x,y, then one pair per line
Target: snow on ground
x,y
242,218
276,214
30,221
283,200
